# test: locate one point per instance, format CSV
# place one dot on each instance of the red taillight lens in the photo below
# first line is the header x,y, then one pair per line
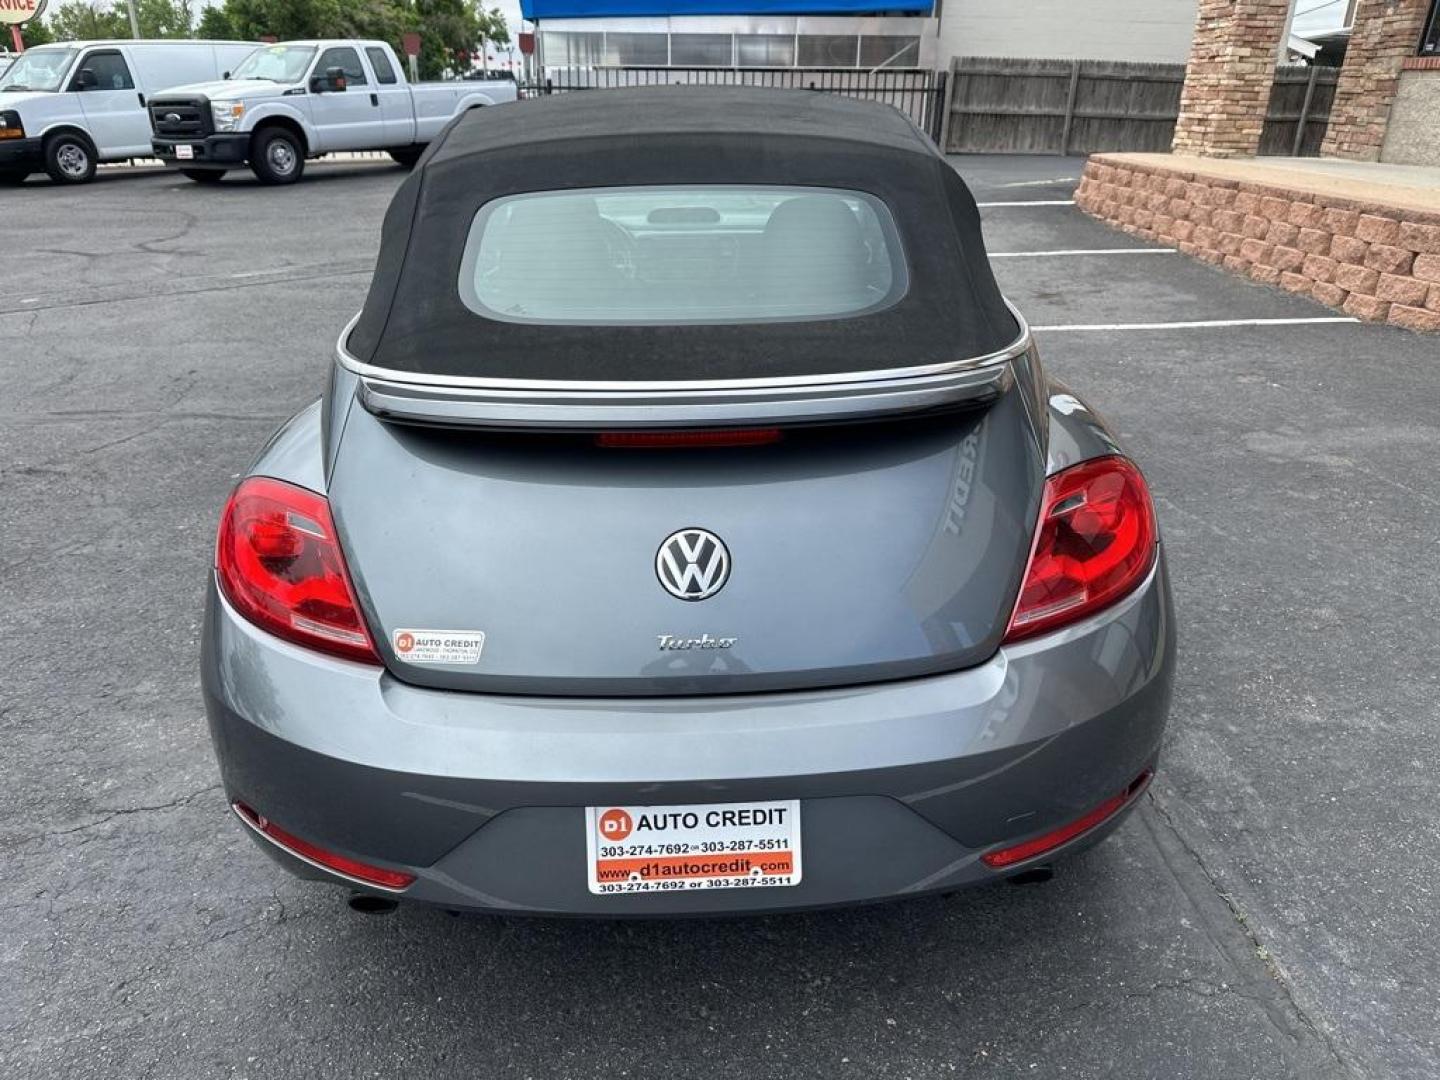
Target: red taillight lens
x,y
280,566
668,440
998,860
329,860
1094,543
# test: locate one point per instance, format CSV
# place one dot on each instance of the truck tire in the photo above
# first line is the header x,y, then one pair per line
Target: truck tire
x,y
70,158
276,156
204,176
407,156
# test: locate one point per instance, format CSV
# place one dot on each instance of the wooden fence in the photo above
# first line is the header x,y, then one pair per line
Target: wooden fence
x,y
1299,111
1011,105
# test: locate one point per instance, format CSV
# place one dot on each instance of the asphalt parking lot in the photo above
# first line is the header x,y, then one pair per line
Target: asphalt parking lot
x,y
1269,912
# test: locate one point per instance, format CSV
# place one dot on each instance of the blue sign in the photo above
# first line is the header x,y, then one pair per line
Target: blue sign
x,y
594,9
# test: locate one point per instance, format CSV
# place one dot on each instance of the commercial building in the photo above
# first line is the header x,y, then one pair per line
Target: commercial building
x,y
1154,31
851,34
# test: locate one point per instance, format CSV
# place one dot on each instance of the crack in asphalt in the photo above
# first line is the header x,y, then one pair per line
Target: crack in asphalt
x,y
1280,1004
111,815
1199,987
68,415
272,917
158,290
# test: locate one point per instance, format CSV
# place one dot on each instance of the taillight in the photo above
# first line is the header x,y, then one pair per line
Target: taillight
x,y
328,860
280,566
1094,543
1053,839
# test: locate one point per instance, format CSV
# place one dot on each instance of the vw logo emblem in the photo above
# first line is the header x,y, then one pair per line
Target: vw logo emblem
x,y
692,564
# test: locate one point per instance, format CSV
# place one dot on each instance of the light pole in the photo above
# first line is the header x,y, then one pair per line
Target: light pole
x,y
130,6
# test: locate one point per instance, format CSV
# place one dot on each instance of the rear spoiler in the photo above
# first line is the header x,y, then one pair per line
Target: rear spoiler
x,y
452,401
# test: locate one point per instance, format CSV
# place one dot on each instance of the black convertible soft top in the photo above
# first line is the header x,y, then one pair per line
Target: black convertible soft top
x,y
414,321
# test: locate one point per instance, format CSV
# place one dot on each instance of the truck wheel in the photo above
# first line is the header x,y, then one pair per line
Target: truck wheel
x,y
204,176
276,157
407,156
69,158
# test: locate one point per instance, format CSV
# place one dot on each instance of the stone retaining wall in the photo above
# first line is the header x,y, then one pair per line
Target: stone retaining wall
x,y
1375,262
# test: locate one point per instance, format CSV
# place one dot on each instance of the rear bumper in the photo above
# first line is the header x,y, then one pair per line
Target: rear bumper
x,y
903,785
22,154
212,151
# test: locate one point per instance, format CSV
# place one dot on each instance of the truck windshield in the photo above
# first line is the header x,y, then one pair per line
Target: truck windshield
x,y
276,63
38,69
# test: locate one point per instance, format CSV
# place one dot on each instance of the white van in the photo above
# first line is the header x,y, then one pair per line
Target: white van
x,y
65,108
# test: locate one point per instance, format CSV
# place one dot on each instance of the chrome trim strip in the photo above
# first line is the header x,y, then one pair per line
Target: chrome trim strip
x,y
549,387
510,408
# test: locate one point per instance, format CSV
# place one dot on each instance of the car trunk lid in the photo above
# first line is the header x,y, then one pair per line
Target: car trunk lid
x,y
854,552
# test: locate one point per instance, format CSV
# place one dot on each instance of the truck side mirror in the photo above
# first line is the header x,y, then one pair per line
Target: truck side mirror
x,y
86,79
333,81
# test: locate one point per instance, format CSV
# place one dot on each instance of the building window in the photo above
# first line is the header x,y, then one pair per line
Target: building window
x,y
1430,42
636,50
765,50
828,50
701,50
890,52
569,49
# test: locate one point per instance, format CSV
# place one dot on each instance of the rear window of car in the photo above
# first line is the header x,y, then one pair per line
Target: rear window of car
x,y
683,254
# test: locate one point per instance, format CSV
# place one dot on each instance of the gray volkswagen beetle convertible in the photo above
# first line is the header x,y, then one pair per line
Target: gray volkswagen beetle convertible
x,y
688,528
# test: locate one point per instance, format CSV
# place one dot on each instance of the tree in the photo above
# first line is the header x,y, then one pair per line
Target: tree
x,y
284,19
36,33
163,18
493,29
446,27
383,19
215,25
78,21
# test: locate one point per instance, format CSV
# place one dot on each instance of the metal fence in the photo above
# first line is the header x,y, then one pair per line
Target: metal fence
x,y
1025,106
920,95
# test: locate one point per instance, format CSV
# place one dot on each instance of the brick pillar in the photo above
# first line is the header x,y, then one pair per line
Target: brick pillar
x,y
1385,33
1228,78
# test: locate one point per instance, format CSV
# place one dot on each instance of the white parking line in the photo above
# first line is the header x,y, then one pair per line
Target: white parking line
x,y
1079,327
1082,251
1043,183
1029,202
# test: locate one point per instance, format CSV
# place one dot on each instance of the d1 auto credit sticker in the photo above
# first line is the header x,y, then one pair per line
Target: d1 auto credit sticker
x,y
681,848
438,646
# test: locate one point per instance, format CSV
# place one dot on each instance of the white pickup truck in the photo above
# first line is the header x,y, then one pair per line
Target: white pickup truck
x,y
297,100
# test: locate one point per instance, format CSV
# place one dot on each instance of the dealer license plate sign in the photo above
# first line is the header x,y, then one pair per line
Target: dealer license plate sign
x,y
184,152
635,849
